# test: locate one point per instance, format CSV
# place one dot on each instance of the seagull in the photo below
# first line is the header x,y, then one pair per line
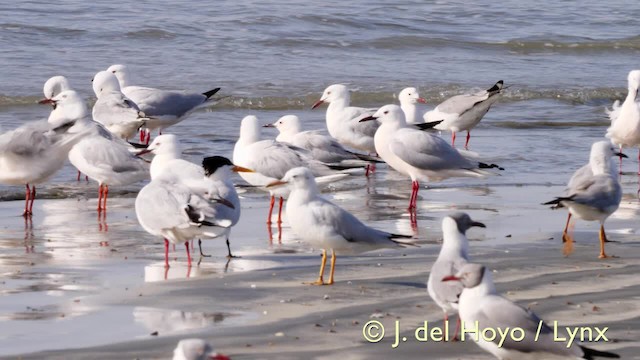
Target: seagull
x,y
177,212
464,112
592,196
270,160
453,255
480,306
321,147
215,171
54,86
421,156
119,114
343,121
99,154
165,108
409,98
327,226
32,153
196,349
625,119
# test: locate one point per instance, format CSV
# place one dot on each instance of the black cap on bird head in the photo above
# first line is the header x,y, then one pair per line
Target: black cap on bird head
x,y
213,163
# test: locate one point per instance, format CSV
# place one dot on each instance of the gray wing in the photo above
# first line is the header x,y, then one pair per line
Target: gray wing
x,y
582,174
427,152
114,108
355,114
160,205
498,312
322,147
156,102
445,291
28,140
460,104
600,191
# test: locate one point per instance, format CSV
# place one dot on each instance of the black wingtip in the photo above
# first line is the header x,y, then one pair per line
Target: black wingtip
x,y
137,146
497,87
428,125
210,93
557,201
482,165
590,354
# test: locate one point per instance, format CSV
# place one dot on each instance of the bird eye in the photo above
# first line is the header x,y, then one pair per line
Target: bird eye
x,y
409,94
328,92
386,112
113,71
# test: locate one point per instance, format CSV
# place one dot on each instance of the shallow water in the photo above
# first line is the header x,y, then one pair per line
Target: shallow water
x,y
272,59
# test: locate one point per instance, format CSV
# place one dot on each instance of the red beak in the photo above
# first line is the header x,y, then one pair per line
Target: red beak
x,y
46,101
143,151
421,101
450,278
317,103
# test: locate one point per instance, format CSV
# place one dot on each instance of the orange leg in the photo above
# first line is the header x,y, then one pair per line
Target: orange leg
x,y
166,254
273,201
99,198
186,245
280,211
32,198
603,239
453,138
27,194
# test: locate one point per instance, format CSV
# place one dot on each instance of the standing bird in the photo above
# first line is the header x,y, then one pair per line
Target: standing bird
x,y
592,196
409,99
481,307
625,119
270,160
163,107
196,349
177,212
101,156
464,112
113,109
343,121
421,156
325,225
453,255
321,147
32,153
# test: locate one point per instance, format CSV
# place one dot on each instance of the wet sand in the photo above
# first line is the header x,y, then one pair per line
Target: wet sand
x,y
72,290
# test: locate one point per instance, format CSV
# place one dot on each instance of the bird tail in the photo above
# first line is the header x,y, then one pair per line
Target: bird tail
x,y
343,167
392,237
210,93
589,353
495,89
368,158
482,165
557,202
428,125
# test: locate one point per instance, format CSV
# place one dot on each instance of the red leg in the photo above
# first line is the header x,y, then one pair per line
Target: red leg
x,y
32,199
86,178
142,132
368,170
104,196
186,245
280,211
453,138
99,198
373,167
79,174
27,193
466,144
455,334
273,201
148,138
166,254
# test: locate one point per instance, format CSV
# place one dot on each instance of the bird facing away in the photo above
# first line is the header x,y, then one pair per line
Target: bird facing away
x,y
594,195
54,86
453,255
464,112
625,119
409,99
420,155
163,107
481,306
327,226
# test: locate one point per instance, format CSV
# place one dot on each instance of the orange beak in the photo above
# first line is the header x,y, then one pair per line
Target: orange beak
x,y
276,183
237,168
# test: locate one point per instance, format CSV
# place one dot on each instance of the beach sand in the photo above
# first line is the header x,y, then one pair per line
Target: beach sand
x,y
75,291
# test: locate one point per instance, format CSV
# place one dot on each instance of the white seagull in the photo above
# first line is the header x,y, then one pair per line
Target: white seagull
x,y
592,196
32,153
169,208
163,107
409,99
464,112
196,349
480,306
325,225
625,119
54,86
421,156
453,255
321,147
270,160
113,109
99,154
343,120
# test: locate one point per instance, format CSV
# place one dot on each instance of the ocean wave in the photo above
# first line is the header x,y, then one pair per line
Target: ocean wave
x,y
58,32
151,34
